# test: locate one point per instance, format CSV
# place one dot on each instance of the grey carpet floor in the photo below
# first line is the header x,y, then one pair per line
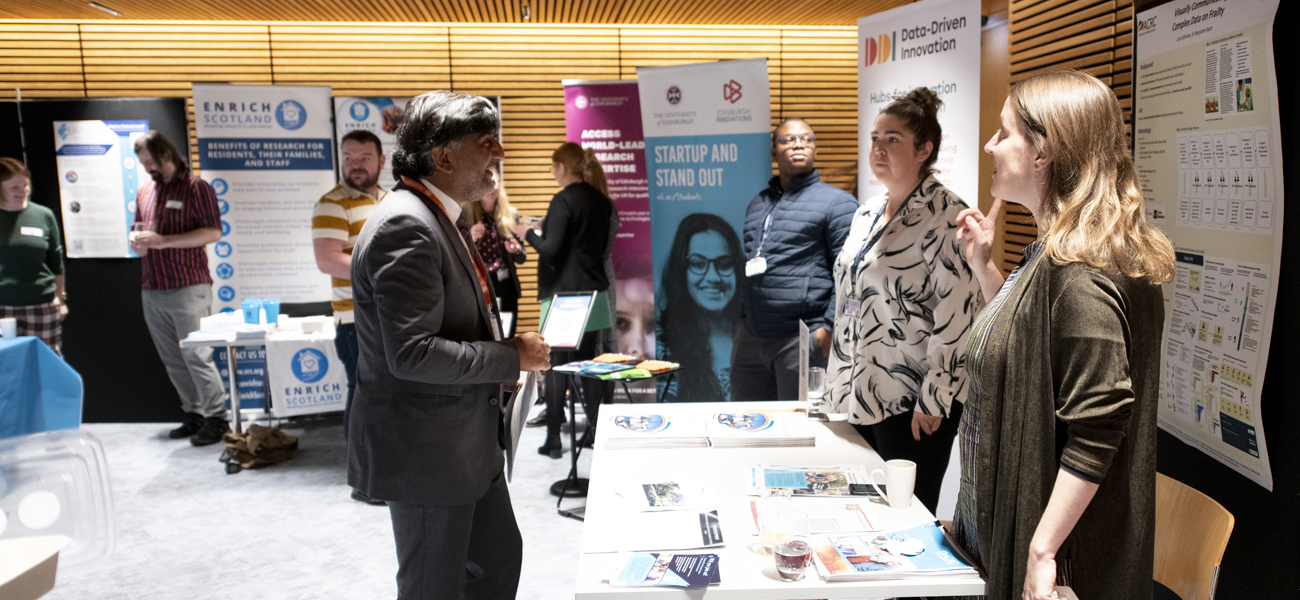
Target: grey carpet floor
x,y
187,530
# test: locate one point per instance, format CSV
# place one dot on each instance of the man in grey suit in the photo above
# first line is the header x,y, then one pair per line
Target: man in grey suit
x,y
426,430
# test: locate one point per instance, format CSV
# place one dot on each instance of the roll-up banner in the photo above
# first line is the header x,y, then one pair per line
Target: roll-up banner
x,y
268,151
606,117
708,153
378,115
98,179
1206,123
933,44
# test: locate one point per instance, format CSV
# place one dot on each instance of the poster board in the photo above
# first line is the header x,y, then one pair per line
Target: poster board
x,y
99,176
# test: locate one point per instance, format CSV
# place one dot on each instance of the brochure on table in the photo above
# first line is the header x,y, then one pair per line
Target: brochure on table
x,y
1206,124
661,530
666,569
917,552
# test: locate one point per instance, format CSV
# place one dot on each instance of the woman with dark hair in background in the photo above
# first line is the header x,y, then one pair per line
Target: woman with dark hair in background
x,y
493,232
700,308
1059,438
571,246
31,260
905,300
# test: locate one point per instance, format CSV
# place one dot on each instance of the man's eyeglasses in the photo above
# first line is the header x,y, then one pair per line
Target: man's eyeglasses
x,y
806,138
699,265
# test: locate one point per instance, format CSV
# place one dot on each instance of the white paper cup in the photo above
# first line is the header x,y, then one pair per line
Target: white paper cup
x,y
9,328
900,479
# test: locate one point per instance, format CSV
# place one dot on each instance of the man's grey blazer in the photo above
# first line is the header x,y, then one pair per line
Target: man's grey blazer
x,y
425,424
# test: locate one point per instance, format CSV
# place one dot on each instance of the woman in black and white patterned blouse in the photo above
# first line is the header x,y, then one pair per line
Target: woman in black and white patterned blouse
x,y
905,300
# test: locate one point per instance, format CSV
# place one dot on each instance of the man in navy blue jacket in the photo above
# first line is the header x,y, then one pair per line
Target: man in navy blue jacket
x,y
794,230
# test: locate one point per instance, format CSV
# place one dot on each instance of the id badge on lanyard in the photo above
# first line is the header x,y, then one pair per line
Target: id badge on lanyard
x,y
758,264
852,305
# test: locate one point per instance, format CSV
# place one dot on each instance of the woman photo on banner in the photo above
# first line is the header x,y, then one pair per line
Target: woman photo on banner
x,y
699,308
1058,441
905,299
493,231
31,260
572,247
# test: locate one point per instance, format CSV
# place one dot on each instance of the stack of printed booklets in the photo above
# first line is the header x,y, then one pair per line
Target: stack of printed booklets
x,y
916,552
760,429
645,569
654,432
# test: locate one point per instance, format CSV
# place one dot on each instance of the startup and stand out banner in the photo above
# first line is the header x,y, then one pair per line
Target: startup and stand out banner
x,y
98,179
268,151
1207,130
605,116
708,153
933,44
380,116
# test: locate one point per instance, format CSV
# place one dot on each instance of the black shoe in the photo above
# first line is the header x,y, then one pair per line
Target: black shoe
x,y
537,421
213,429
189,426
361,496
553,447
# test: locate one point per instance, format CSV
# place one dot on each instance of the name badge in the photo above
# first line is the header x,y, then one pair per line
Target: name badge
x,y
853,307
756,266
36,231
175,204
503,274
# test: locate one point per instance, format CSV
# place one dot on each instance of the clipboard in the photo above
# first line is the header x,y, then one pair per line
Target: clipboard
x,y
516,412
566,320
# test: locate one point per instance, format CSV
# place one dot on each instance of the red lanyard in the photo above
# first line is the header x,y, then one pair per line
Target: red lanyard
x,y
478,264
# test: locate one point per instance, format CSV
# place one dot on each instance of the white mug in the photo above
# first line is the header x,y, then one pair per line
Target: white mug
x,y
900,480
9,328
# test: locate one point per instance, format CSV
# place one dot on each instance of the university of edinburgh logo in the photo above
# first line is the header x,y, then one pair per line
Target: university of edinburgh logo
x,y
674,95
731,91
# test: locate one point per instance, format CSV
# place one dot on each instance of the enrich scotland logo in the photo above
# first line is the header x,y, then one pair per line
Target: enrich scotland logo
x,y
309,365
290,115
731,91
878,49
359,111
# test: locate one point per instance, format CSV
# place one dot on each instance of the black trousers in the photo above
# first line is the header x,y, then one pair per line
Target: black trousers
x,y
892,438
763,369
448,552
593,390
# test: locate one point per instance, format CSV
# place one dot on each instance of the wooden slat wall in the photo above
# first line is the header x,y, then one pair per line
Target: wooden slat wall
x,y
813,73
1094,36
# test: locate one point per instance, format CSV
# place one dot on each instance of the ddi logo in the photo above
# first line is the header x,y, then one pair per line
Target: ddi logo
x,y
731,91
877,50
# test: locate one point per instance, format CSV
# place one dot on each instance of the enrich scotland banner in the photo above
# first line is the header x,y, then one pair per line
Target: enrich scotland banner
x,y
708,153
380,116
933,44
268,151
606,117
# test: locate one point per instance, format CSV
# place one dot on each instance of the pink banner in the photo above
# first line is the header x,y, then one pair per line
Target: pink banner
x,y
606,117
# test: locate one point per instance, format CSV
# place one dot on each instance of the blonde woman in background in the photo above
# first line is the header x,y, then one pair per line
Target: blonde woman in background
x,y
493,231
1059,435
571,246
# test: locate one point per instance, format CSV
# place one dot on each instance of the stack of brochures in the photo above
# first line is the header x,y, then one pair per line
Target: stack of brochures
x,y
760,429
654,432
591,367
644,569
916,552
779,480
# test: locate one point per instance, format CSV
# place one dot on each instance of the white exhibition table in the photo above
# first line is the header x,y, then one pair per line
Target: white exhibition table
x,y
747,572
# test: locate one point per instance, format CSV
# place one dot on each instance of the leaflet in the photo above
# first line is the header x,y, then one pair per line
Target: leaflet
x,y
644,569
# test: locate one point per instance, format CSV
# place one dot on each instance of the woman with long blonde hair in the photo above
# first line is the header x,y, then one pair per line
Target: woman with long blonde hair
x,y
1059,435
493,231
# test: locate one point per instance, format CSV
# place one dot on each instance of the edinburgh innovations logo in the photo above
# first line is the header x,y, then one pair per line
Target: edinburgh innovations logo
x,y
878,49
674,95
731,91
290,115
309,365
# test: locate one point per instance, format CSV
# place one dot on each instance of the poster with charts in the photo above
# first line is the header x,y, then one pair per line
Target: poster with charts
x,y
1207,150
98,179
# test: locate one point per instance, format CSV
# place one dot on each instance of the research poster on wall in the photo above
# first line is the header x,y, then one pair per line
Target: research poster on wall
x,y
378,115
933,44
1206,145
98,179
708,153
605,116
268,152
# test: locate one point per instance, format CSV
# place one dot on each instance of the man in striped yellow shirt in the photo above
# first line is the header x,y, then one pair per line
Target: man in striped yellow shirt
x,y
335,222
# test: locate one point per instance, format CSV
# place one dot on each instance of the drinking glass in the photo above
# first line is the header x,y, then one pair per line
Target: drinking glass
x,y
816,389
769,535
795,553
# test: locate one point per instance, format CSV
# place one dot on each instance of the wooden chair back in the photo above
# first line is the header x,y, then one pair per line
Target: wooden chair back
x,y
1192,531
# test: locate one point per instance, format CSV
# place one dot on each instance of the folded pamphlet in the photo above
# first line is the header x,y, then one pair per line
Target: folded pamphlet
x,y
663,530
776,480
643,569
915,552
835,514
669,495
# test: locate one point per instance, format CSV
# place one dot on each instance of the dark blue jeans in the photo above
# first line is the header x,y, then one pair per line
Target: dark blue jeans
x,y
345,344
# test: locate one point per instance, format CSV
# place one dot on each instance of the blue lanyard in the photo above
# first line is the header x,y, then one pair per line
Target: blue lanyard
x,y
870,242
766,224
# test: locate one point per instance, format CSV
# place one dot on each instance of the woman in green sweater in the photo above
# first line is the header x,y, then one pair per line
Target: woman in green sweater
x,y
1059,435
31,260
